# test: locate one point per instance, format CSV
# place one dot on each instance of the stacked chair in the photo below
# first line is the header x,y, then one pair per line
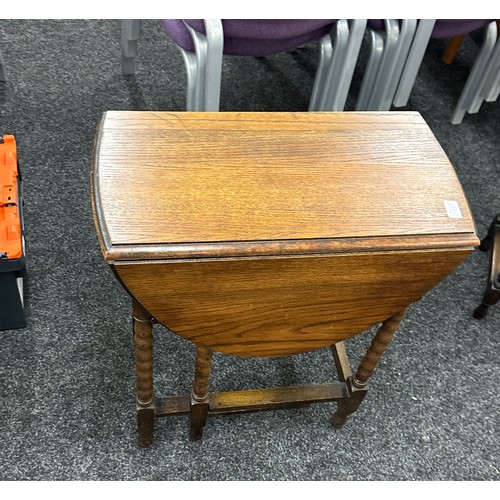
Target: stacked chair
x,y
390,42
488,87
204,42
396,50
482,82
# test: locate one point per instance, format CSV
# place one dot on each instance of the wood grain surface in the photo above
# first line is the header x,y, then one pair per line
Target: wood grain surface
x,y
267,234
280,306
163,177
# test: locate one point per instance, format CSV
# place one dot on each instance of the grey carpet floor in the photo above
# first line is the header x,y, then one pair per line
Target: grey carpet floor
x,y
67,380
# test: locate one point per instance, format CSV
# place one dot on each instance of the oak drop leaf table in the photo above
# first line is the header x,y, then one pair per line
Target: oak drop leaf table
x,y
272,234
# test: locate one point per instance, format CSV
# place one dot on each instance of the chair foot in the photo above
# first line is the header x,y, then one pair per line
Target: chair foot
x,y
128,65
131,33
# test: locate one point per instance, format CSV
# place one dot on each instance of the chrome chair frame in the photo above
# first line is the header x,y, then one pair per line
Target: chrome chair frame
x,y
338,56
388,52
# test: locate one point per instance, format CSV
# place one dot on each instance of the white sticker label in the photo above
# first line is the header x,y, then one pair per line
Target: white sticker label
x,y
452,209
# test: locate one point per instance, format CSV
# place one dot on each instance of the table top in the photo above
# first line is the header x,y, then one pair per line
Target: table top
x,y
239,182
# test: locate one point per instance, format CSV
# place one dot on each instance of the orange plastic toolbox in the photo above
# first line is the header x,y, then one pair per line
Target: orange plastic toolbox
x,y
12,258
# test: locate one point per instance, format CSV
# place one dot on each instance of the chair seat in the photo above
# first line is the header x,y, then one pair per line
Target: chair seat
x,y
447,28
252,37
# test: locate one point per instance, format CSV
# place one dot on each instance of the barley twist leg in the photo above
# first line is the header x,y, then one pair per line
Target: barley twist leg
x,y
358,383
143,339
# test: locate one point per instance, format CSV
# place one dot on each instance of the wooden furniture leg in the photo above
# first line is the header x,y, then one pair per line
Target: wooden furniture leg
x,y
143,339
451,49
199,393
492,293
358,384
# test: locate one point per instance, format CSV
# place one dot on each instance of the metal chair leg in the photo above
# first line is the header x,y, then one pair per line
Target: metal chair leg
x,y
376,101
325,56
357,29
376,51
207,77
470,90
213,69
191,63
349,37
489,80
332,75
200,47
413,61
406,35
131,33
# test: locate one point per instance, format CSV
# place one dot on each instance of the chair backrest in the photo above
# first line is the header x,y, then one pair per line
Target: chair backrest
x,y
253,37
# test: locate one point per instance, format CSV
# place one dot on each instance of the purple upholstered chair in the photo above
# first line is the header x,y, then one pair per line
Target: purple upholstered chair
x,y
471,97
203,42
252,37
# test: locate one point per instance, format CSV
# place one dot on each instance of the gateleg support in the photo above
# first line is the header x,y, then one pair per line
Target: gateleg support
x,y
341,361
